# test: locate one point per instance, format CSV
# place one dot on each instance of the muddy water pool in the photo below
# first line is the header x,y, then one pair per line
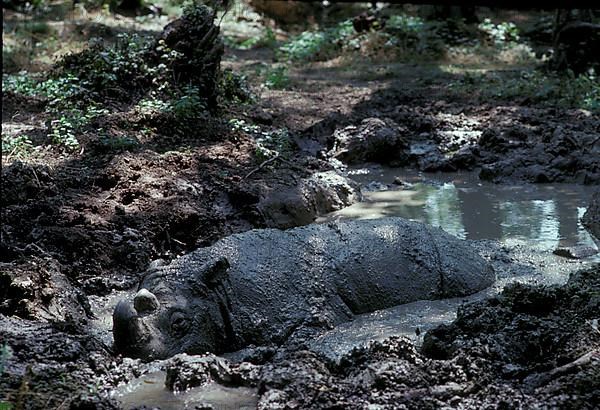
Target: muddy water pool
x,y
150,390
530,221
542,216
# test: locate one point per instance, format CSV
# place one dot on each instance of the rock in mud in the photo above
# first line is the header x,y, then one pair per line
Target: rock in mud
x,y
185,372
576,252
23,182
287,206
528,334
261,286
553,154
591,218
376,140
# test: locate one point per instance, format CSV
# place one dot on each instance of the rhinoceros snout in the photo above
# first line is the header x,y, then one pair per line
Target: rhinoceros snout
x,y
145,301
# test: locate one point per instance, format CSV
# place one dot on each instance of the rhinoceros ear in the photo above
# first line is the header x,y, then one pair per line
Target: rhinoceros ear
x,y
214,271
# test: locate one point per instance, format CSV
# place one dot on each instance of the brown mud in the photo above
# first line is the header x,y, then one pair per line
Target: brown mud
x,y
88,223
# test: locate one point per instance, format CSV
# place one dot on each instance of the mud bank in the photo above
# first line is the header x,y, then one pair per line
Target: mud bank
x,y
504,143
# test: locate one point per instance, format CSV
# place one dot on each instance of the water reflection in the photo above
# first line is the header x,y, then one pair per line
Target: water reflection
x,y
542,216
149,390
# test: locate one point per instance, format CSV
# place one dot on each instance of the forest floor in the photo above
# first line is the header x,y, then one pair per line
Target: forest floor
x,y
80,225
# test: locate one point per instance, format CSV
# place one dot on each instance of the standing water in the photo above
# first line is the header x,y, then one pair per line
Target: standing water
x,y
531,220
543,217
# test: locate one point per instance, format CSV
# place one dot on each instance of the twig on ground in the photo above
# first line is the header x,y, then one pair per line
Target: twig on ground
x,y
261,166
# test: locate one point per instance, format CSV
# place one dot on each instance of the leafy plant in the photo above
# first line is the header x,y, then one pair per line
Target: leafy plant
x,y
18,146
500,34
118,143
274,143
277,77
234,87
189,104
310,45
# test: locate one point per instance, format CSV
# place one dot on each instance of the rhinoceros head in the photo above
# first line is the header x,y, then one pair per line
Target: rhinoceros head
x,y
170,314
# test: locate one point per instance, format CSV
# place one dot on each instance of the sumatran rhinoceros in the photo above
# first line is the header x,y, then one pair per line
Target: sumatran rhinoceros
x,y
258,287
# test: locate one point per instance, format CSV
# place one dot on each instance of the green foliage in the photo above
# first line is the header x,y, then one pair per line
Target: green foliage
x,y
405,24
58,91
234,87
413,35
5,405
100,67
70,121
62,132
188,104
153,104
318,44
184,104
270,144
66,104
242,125
18,147
118,143
277,77
567,91
500,34
5,354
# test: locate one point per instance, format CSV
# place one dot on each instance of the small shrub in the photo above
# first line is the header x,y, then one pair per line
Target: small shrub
x,y
270,144
18,147
189,104
119,143
277,78
234,87
500,34
317,45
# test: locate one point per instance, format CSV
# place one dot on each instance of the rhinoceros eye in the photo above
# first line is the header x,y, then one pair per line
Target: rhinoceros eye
x,y
179,324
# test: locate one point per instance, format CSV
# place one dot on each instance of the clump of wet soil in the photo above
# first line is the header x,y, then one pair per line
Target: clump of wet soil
x,y
506,143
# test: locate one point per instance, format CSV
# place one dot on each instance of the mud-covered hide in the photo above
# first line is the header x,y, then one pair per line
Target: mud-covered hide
x,y
196,38
261,286
591,218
